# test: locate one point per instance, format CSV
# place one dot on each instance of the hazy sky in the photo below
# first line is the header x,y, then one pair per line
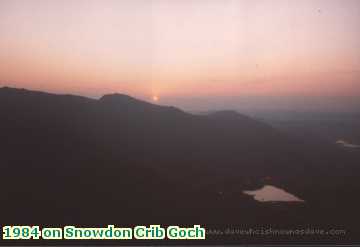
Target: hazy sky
x,y
197,54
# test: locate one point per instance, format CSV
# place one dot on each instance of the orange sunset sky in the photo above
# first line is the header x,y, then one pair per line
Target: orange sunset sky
x,y
196,54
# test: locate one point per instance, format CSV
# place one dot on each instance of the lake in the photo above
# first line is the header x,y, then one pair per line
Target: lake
x,y
270,193
347,144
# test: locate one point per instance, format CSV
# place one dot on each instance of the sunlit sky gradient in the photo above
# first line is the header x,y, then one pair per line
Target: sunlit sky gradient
x,y
197,54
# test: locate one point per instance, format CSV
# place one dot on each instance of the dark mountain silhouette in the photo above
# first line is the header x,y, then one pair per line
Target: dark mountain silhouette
x,y
118,160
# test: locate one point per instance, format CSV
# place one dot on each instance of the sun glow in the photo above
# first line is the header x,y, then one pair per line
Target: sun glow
x,y
155,98
252,53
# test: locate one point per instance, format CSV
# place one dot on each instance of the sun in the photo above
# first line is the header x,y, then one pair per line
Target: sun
x,y
155,98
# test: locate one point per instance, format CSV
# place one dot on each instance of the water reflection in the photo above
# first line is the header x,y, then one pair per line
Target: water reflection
x,y
347,144
271,193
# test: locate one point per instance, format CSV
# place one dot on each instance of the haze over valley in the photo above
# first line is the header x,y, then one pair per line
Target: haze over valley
x,y
229,114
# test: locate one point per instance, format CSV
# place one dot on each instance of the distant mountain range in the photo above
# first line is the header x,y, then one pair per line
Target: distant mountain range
x,y
70,159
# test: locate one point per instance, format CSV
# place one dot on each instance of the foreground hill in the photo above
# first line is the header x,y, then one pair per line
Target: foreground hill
x,y
69,159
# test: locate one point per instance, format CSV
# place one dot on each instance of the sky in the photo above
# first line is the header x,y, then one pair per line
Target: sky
x,y
195,54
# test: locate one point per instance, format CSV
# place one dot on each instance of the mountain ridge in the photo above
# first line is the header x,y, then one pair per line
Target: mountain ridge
x,y
122,157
